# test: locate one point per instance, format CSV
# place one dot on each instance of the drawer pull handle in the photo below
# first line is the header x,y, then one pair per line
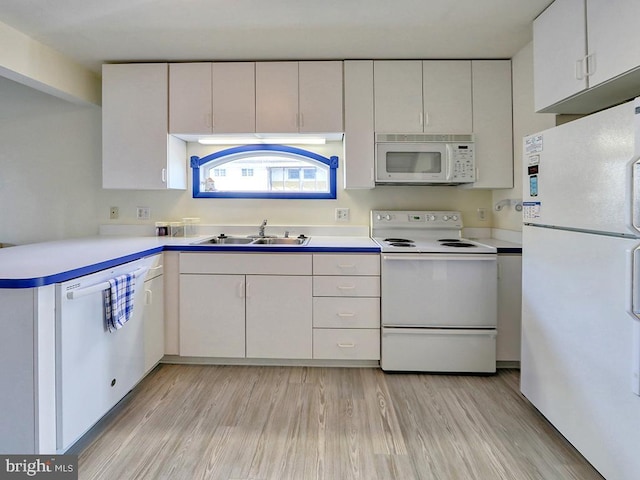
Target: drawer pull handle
x,y
346,315
346,345
346,287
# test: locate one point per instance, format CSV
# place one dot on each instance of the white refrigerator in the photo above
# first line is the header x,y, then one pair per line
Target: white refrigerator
x,y
581,285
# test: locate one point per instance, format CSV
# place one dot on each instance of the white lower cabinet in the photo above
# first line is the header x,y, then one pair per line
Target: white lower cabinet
x,y
245,305
278,316
212,313
153,315
509,307
346,307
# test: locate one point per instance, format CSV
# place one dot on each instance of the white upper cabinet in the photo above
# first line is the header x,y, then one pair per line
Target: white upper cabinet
x,y
190,98
137,152
397,96
210,98
234,97
446,91
320,95
614,38
586,55
492,123
294,97
413,96
559,52
358,124
277,97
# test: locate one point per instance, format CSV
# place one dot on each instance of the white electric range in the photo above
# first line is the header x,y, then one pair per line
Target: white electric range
x,y
422,232
438,295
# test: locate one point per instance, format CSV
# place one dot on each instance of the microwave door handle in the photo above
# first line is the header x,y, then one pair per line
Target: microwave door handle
x,y
449,162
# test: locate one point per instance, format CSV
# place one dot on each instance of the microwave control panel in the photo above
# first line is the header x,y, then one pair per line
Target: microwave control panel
x,y
463,167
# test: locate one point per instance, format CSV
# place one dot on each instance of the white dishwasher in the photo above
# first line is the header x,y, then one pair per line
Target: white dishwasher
x,y
95,368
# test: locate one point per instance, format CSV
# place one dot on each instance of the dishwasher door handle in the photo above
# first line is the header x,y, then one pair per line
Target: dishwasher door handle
x,y
99,287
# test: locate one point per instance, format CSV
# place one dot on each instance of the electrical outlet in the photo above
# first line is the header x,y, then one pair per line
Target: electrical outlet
x,y
114,213
342,214
143,213
482,214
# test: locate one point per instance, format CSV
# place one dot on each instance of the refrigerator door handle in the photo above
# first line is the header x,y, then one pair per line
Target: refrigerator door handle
x,y
635,283
635,194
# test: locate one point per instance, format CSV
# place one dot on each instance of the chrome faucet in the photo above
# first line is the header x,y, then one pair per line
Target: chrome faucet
x,y
261,228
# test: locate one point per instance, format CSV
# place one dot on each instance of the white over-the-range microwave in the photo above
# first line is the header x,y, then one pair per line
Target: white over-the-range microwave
x,y
424,159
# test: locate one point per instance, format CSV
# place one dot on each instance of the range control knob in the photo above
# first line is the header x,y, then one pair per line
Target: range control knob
x,y
387,217
454,218
445,218
431,218
378,217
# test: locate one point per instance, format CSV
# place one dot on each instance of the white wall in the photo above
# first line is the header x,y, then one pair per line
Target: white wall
x,y
525,122
49,166
172,206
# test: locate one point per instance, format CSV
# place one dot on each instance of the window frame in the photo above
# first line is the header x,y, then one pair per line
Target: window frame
x,y
331,162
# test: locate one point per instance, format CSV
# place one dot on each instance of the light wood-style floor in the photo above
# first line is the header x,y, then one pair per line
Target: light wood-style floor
x,y
299,423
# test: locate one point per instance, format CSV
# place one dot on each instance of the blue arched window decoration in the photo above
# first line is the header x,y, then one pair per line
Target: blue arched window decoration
x,y
204,186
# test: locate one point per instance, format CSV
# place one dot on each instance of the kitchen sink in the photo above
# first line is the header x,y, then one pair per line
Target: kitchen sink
x,y
224,240
281,241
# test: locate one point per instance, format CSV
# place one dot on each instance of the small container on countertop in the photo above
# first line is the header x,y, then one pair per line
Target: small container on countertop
x,y
176,229
191,228
162,229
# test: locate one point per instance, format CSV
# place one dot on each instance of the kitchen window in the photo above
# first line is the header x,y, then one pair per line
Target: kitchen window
x,y
264,171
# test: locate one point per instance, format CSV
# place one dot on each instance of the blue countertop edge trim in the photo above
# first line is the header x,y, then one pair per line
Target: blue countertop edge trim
x,y
76,272
269,248
13,283
96,267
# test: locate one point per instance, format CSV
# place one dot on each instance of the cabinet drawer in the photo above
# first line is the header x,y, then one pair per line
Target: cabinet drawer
x,y
346,312
346,343
246,263
341,286
346,264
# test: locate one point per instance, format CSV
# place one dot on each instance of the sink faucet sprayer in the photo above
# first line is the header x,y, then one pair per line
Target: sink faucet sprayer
x,y
261,228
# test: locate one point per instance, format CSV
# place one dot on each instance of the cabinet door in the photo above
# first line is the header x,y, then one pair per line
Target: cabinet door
x,y
279,316
212,311
446,87
398,96
276,97
358,124
234,97
137,152
320,88
190,98
559,44
153,319
492,124
613,36
509,307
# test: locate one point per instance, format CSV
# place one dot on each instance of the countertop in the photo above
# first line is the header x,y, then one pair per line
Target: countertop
x,y
45,263
39,264
503,246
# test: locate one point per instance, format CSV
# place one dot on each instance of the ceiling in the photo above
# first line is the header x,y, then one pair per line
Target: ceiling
x,y
93,32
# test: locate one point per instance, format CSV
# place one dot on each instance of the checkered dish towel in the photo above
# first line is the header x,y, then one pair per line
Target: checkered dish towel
x,y
118,301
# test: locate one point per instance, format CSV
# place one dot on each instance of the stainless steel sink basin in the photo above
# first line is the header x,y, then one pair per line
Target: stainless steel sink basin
x,y
224,240
281,241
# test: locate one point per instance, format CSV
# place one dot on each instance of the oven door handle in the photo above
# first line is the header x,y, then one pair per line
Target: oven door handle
x,y
491,257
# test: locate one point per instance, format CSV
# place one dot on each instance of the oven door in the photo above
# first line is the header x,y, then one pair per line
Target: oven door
x,y
439,290
412,163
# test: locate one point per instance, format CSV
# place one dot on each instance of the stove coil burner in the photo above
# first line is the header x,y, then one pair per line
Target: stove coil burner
x,y
458,244
402,244
449,240
398,240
